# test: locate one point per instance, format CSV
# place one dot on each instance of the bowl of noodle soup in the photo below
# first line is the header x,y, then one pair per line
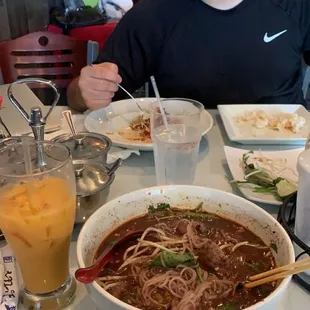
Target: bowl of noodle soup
x,y
185,229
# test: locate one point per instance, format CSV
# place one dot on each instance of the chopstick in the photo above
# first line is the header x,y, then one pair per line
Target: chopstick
x,y
278,273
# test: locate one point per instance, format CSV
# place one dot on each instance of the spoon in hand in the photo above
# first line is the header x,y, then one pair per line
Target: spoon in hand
x,y
89,274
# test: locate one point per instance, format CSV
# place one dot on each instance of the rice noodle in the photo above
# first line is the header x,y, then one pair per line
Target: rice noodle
x,y
226,245
135,255
191,298
108,286
227,237
235,247
246,243
156,245
259,247
132,260
150,229
187,286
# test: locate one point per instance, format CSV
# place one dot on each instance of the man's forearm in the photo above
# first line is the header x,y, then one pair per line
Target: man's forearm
x,y
74,96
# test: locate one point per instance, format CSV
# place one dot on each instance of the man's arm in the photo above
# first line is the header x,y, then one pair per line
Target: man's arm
x,y
94,88
133,49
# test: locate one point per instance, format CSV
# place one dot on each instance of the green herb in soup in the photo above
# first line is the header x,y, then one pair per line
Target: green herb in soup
x,y
168,259
159,207
186,260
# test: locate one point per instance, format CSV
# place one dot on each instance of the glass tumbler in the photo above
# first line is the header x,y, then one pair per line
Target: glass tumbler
x,y
37,212
176,147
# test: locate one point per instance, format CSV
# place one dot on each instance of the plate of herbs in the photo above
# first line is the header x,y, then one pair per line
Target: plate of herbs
x,y
264,176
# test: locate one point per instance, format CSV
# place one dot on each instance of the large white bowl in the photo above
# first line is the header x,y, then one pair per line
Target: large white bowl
x,y
119,210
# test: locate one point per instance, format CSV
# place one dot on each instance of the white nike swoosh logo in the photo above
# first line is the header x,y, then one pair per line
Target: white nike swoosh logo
x,y
268,39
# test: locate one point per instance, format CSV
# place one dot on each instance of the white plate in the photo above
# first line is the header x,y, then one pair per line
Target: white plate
x,y
247,134
118,115
233,157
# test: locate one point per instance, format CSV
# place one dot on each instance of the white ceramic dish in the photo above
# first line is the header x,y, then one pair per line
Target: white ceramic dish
x,y
118,115
121,209
247,134
233,157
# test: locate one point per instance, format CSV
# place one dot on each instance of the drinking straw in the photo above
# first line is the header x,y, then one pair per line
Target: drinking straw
x,y
27,157
161,109
29,172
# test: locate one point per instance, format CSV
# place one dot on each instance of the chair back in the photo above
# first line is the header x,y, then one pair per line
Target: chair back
x,y
46,55
306,82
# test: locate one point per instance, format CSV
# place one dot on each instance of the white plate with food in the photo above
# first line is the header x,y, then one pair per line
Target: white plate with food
x,y
190,237
127,126
266,124
264,176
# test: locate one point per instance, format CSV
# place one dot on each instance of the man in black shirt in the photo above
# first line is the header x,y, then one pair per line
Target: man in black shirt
x,y
214,51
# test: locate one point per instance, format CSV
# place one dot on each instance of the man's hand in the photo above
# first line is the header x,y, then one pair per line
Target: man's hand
x,y
98,84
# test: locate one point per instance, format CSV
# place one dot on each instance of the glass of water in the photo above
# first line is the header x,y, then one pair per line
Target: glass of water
x,y
176,147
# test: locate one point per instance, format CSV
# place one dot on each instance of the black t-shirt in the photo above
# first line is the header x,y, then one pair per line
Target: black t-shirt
x,y
249,54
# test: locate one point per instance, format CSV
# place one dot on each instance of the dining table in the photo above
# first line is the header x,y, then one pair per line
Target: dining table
x,y
138,172
212,171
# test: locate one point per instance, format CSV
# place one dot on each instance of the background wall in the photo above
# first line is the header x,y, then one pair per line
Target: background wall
x,y
19,17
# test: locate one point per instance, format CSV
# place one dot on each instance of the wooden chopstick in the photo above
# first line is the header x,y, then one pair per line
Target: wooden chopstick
x,y
279,269
276,274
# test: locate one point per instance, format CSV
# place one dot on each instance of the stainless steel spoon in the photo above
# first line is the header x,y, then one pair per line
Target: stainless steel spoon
x,y
78,138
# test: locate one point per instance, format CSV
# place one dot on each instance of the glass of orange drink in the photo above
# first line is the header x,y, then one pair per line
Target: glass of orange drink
x,y
37,212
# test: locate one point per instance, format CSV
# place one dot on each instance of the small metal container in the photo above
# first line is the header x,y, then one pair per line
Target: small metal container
x,y
93,175
86,146
93,182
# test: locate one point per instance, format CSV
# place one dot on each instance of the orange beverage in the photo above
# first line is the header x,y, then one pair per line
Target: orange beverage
x,y
37,218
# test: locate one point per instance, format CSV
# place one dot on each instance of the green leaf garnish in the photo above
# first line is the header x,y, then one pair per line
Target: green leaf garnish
x,y
199,274
228,306
269,189
159,207
277,180
172,260
198,215
274,247
255,266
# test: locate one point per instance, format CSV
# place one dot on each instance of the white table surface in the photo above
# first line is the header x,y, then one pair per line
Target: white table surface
x,y
138,172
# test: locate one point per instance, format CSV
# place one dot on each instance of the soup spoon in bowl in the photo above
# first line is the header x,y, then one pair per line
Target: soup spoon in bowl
x,y
90,274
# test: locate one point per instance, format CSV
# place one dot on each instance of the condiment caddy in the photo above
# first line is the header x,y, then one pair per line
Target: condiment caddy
x,y
88,150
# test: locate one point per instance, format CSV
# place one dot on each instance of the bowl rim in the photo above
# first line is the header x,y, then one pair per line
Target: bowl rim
x,y
118,302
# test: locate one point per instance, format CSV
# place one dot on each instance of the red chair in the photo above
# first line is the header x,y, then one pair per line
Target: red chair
x,y
43,54
98,33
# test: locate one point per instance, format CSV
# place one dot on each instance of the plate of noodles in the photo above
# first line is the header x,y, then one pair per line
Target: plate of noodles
x,y
196,246
127,126
266,123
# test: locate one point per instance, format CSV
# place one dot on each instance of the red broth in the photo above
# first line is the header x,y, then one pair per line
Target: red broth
x,y
217,260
